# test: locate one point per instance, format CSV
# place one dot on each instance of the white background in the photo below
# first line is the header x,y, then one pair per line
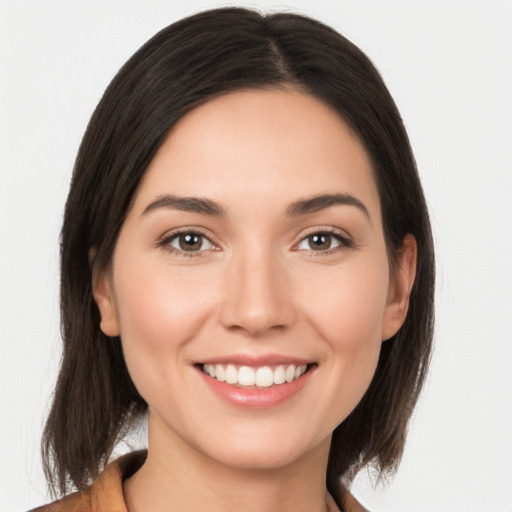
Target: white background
x,y
448,65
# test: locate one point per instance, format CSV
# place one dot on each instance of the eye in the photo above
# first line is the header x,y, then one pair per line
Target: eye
x,y
322,241
187,242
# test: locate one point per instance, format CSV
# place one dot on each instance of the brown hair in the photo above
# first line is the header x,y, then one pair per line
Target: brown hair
x,y
181,67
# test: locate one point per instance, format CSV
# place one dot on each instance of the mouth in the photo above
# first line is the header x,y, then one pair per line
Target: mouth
x,y
256,382
256,377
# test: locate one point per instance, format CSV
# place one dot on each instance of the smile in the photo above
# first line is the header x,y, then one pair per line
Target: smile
x,y
256,382
255,377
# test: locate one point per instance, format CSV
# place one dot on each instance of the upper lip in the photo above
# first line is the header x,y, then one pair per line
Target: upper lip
x,y
255,361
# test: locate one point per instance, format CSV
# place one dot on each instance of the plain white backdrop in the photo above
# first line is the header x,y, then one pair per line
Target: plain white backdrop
x,y
448,65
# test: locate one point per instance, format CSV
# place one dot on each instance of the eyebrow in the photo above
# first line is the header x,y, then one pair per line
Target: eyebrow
x,y
321,202
186,204
296,209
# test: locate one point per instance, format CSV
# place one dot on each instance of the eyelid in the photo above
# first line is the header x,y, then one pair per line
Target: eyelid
x,y
345,239
165,240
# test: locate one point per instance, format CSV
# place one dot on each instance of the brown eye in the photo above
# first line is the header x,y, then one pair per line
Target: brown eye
x,y
323,242
190,242
320,241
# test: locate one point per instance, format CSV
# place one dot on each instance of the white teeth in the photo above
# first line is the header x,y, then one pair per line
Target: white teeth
x,y
290,373
300,370
279,375
220,373
246,376
231,374
263,377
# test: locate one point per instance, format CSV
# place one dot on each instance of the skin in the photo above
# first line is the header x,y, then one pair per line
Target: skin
x,y
257,286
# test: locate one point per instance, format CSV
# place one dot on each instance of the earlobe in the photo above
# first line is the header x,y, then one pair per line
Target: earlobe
x,y
102,291
400,288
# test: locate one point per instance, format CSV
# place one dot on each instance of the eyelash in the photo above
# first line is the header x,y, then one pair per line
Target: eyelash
x,y
344,242
165,243
166,240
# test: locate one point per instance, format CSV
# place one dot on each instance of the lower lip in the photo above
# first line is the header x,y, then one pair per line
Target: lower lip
x,y
251,398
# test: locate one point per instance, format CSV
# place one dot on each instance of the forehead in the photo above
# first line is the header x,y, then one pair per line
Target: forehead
x,y
260,146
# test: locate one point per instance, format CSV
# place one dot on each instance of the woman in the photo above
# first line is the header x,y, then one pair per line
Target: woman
x,y
247,258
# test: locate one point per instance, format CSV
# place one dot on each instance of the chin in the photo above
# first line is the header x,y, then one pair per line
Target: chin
x,y
262,452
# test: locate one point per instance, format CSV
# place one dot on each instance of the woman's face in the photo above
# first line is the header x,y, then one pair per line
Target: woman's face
x,y
250,282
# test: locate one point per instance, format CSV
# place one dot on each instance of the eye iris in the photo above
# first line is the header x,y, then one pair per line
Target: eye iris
x,y
319,241
190,242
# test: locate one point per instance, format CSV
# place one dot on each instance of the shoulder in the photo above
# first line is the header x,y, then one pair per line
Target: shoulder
x,y
76,502
350,504
346,501
105,493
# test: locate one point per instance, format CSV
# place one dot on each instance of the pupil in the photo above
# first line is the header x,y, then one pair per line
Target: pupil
x,y
190,242
320,241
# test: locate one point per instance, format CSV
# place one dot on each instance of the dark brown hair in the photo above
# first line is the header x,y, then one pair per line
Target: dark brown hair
x,y
181,67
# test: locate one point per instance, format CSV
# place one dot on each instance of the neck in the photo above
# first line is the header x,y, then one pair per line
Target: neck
x,y
178,477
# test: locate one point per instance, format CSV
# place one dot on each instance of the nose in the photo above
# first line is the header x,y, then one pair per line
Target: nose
x,y
258,295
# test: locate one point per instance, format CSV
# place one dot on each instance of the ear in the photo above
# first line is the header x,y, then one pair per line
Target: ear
x,y
102,291
400,287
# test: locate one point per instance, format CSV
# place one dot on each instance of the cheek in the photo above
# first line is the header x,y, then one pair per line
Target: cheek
x,y
346,309
347,306
159,311
159,302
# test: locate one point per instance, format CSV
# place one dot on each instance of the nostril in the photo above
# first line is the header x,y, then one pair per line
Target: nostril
x,y
256,322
